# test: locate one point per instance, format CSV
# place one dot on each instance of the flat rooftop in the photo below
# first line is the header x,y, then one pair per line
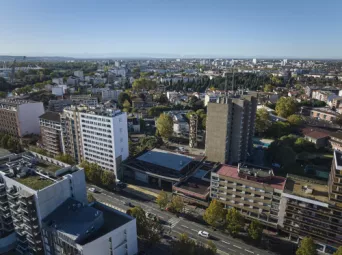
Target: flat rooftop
x,y
35,182
112,220
276,182
47,166
308,188
166,159
195,185
72,218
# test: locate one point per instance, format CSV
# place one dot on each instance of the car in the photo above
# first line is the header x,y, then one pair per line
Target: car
x,y
92,190
204,234
128,203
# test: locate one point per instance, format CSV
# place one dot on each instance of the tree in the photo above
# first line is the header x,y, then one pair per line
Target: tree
x,y
108,179
295,120
278,129
262,122
339,251
214,214
212,247
268,88
255,230
235,221
162,199
165,125
177,204
307,247
122,98
285,107
2,94
144,84
90,198
126,106
139,214
66,158
4,141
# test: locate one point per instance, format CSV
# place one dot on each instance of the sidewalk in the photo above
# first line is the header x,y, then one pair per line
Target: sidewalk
x,y
145,191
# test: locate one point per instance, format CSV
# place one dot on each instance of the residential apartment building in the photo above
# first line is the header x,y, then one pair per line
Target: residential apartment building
x,y
20,117
58,105
323,114
84,99
44,210
110,94
308,211
97,135
335,179
51,132
230,129
253,190
336,140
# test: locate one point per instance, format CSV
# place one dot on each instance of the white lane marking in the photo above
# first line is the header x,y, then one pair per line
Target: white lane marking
x,y
184,226
237,246
225,242
249,251
230,249
194,230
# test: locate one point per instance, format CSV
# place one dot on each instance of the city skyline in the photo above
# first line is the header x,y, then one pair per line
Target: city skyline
x,y
171,29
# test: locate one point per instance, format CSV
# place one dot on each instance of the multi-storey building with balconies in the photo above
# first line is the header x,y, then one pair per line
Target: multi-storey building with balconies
x,y
20,117
44,210
253,190
51,132
335,179
97,135
308,211
230,129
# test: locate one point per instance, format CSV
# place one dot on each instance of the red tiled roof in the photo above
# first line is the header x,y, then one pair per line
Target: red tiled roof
x,y
317,134
277,182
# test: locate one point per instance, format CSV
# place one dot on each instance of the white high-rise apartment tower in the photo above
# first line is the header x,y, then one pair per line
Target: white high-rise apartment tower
x,y
100,136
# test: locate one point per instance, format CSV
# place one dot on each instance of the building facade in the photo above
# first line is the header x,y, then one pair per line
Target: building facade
x,y
51,132
97,135
110,94
58,105
252,190
230,129
20,117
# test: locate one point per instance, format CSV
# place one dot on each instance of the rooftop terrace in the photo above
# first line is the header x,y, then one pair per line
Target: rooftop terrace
x,y
308,188
35,182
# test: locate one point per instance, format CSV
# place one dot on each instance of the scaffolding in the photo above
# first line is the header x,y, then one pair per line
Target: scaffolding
x,y
193,131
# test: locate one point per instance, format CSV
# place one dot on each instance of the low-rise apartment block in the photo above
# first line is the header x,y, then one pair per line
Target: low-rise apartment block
x,y
253,190
87,100
20,117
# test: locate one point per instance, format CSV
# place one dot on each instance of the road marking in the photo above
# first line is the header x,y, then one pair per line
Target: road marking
x,y
237,246
225,242
194,230
249,251
230,249
184,226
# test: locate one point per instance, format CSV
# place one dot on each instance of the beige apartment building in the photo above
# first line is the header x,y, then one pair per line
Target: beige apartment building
x,y
51,133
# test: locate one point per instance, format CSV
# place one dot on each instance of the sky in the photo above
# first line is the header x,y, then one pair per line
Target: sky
x,y
173,28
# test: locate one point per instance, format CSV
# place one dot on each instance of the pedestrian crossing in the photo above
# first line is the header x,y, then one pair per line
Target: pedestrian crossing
x,y
173,221
114,207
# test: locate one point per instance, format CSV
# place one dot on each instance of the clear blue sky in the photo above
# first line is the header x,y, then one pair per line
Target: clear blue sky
x,y
239,28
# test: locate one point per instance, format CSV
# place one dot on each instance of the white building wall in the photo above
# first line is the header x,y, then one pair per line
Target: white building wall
x,y
102,244
28,117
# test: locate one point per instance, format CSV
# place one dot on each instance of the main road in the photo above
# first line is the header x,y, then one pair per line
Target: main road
x,y
178,225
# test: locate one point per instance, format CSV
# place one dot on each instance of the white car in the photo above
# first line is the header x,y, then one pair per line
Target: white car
x,y
203,234
92,190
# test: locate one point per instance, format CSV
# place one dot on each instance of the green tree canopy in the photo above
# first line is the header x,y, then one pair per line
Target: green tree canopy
x,y
307,247
278,129
268,88
165,126
123,96
177,204
262,122
255,230
66,158
214,215
235,221
144,84
295,119
162,199
339,251
2,94
90,198
285,107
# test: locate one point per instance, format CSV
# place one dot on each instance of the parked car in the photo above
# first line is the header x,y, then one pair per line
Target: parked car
x,y
204,234
92,190
128,203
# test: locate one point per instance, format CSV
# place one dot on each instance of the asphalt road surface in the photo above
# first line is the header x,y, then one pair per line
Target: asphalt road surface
x,y
177,225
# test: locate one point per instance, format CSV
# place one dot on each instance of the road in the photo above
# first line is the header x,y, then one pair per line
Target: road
x,y
177,225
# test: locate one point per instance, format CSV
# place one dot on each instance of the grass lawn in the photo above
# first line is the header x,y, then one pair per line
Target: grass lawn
x,y
34,182
48,167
